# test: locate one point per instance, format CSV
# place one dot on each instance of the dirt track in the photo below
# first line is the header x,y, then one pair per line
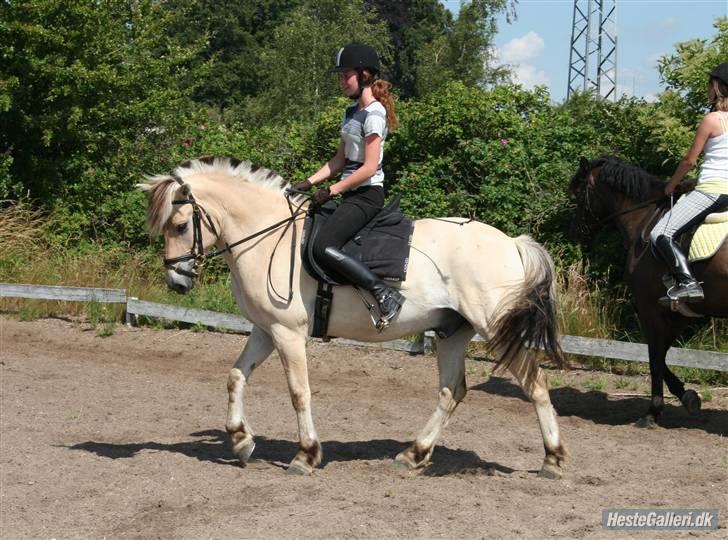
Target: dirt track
x,y
123,437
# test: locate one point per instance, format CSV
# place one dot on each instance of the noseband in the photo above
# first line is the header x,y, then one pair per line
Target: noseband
x,y
197,251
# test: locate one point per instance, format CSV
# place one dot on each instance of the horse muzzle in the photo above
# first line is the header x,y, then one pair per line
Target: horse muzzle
x,y
180,277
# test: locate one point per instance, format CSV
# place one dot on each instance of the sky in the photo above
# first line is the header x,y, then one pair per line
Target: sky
x,y
537,43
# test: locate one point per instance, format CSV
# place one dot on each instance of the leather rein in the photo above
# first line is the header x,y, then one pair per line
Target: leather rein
x,y
197,251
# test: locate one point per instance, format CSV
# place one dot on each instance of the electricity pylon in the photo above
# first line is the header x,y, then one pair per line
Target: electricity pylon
x,y
593,53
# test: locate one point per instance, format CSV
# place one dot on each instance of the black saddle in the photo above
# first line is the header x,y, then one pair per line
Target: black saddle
x,y
382,245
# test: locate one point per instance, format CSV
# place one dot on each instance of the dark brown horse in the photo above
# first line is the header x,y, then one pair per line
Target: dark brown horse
x,y
607,189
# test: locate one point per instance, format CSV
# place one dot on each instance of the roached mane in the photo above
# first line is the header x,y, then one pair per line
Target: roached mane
x,y
161,189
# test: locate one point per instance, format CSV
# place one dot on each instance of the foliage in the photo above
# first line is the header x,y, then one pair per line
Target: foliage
x,y
683,104
431,48
87,90
297,75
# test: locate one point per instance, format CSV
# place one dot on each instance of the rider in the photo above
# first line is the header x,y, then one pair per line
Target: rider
x,y
710,194
364,129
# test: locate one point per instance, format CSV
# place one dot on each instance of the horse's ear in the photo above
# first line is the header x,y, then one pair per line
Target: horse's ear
x,y
584,164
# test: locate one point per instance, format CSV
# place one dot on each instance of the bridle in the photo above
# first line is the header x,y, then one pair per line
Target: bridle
x,y
598,222
197,252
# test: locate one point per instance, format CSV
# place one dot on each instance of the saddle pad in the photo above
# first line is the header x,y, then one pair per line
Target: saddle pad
x,y
709,237
383,245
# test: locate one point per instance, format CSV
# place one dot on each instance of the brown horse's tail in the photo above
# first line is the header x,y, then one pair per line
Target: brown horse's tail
x,y
528,317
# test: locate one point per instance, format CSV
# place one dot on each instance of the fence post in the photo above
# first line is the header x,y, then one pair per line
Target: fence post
x,y
427,342
131,318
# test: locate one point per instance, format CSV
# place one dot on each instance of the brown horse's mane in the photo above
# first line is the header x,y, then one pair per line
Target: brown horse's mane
x,y
161,189
625,178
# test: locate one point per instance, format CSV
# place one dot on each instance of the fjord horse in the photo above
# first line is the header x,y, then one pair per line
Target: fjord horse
x,y
500,287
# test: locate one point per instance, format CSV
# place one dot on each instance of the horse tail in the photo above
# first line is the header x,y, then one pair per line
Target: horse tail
x,y
528,316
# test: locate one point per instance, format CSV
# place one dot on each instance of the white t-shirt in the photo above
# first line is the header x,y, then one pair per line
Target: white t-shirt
x,y
356,126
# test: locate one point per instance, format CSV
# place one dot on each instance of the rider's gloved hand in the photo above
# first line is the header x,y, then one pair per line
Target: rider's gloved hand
x,y
321,196
302,186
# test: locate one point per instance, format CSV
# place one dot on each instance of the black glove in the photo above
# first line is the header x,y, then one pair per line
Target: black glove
x,y
302,186
320,197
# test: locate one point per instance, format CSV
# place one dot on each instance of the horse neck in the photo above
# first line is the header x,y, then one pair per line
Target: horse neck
x,y
247,209
631,219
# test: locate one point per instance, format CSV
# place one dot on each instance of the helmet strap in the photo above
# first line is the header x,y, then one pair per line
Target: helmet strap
x,y
362,83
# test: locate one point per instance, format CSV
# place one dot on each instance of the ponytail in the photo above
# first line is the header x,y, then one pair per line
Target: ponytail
x,y
720,103
380,91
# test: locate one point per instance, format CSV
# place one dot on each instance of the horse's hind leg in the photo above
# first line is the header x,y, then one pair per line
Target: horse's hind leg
x,y
533,381
451,365
689,398
257,349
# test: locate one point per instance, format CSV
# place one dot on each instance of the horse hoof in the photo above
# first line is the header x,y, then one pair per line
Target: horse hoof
x,y
550,472
647,422
297,469
244,451
691,402
402,465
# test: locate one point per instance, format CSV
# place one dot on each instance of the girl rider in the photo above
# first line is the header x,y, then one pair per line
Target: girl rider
x,y
710,194
364,129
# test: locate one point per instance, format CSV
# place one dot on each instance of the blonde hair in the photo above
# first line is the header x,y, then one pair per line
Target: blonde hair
x,y
381,92
720,103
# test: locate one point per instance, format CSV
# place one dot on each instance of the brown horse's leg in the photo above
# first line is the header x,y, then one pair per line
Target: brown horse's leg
x,y
451,365
257,349
660,336
689,398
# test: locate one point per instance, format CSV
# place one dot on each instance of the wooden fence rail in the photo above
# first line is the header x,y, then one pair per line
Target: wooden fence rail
x,y
619,350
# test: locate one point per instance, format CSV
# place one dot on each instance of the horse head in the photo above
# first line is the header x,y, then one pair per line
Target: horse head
x,y
591,208
187,223
193,209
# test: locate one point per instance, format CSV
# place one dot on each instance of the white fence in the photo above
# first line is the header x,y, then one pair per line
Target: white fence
x,y
619,350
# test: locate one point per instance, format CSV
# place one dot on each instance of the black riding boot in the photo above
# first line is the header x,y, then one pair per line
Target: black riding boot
x,y
388,300
686,287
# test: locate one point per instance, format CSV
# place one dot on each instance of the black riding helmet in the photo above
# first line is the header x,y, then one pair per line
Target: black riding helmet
x,y
359,57
356,56
720,72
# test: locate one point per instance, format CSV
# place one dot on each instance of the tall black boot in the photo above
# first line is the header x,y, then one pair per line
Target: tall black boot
x,y
686,287
389,300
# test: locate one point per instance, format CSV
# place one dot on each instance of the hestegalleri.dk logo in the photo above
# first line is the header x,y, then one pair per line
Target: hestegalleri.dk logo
x,y
633,518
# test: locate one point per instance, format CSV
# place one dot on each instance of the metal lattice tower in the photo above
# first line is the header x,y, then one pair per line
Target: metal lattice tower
x,y
593,54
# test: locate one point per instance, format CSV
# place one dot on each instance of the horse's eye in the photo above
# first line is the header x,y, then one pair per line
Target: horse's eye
x,y
181,228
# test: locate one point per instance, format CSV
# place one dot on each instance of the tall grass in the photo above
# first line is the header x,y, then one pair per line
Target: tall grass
x,y
27,258
594,309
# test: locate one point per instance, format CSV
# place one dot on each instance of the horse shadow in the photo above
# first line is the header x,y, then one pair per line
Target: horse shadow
x,y
213,446
596,406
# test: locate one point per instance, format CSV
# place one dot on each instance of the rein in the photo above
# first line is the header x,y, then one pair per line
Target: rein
x,y
628,210
197,251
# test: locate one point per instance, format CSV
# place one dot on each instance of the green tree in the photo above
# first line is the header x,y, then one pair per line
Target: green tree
x,y
432,47
237,33
297,75
413,24
683,104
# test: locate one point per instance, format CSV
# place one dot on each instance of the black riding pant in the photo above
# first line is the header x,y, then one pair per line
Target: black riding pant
x,y
357,208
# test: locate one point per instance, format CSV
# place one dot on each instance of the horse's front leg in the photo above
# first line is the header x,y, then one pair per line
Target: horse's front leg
x,y
451,366
291,347
257,349
657,351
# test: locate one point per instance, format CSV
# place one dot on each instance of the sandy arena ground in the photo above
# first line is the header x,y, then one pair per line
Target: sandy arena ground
x,y
123,437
